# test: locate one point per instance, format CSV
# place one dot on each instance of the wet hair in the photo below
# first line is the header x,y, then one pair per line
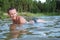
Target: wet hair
x,y
11,8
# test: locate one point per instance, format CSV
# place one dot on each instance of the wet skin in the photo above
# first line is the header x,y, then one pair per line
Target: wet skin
x,y
15,18
19,19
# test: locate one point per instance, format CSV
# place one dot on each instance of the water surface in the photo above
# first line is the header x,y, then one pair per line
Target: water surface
x,y
48,29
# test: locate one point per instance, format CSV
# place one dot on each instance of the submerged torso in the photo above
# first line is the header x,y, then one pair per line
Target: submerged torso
x,y
19,20
16,21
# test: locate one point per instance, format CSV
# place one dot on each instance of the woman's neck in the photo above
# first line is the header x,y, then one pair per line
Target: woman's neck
x,y
14,18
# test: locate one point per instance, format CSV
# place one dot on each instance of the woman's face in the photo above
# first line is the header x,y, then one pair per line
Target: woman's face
x,y
12,13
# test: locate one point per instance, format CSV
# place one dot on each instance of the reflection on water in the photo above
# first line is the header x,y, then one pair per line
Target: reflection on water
x,y
48,29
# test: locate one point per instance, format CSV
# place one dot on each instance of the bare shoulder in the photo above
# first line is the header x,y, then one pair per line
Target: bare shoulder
x,y
22,19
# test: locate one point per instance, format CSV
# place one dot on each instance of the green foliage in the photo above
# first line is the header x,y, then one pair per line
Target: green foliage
x,y
29,6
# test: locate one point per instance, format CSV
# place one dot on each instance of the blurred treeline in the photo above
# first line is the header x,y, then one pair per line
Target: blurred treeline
x,y
30,5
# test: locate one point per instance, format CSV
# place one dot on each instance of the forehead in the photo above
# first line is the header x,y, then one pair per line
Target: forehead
x,y
12,10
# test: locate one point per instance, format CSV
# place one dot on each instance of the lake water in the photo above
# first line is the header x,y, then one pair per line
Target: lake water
x,y
37,31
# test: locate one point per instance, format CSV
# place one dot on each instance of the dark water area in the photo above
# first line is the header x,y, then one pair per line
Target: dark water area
x,y
49,30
